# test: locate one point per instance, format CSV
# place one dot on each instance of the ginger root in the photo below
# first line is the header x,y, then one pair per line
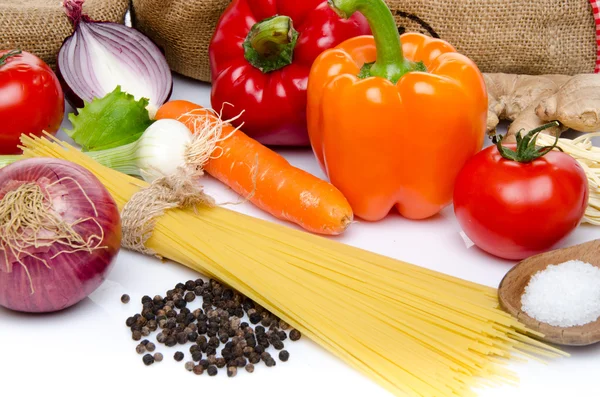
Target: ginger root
x,y
531,101
576,104
516,97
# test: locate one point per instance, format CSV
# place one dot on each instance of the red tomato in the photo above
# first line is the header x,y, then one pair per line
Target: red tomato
x,y
31,99
514,210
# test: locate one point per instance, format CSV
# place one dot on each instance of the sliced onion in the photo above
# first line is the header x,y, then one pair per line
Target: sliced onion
x,y
99,56
57,259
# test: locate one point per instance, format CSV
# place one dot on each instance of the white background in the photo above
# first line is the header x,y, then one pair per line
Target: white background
x,y
87,350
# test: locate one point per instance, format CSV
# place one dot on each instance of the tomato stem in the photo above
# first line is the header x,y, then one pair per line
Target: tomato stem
x,y
9,54
527,151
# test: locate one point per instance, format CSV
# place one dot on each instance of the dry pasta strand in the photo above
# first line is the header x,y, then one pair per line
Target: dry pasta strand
x,y
415,331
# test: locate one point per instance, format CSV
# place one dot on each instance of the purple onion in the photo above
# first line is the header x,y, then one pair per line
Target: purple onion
x,y
99,56
40,278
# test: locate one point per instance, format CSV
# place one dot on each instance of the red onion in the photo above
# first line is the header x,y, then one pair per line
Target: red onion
x,y
59,232
99,56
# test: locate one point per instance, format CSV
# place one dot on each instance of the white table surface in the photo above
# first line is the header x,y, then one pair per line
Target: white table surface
x,y
87,350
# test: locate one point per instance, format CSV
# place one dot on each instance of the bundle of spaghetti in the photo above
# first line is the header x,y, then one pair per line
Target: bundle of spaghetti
x,y
415,331
588,156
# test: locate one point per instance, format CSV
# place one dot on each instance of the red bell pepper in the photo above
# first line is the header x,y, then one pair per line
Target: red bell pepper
x,y
260,57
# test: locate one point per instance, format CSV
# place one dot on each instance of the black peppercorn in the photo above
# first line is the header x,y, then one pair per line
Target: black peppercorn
x,y
198,370
212,370
254,358
148,359
197,356
130,321
278,344
150,347
158,357
189,365
180,303
180,286
136,335
231,371
283,325
178,356
250,368
241,362
284,355
145,331
259,349
189,297
182,338
146,299
211,350
220,362
255,318
140,349
199,282
125,298
152,325
204,364
161,338
295,335
170,341
270,362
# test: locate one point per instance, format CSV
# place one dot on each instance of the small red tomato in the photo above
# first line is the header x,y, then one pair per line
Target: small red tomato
x,y
514,205
31,99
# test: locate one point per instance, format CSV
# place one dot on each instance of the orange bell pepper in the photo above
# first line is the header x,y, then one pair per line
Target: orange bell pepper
x,y
392,120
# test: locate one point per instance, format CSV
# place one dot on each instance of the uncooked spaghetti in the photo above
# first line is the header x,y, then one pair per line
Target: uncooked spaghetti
x,y
588,156
415,331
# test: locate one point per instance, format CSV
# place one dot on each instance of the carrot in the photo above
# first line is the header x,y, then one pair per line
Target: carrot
x,y
266,178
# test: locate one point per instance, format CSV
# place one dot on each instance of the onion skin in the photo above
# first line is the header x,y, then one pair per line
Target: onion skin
x,y
71,276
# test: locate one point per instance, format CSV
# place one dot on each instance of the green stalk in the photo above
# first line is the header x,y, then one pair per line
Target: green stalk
x,y
122,158
270,43
390,63
9,159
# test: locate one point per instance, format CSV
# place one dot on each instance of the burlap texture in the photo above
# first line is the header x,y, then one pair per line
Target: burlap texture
x,y
509,36
41,26
182,28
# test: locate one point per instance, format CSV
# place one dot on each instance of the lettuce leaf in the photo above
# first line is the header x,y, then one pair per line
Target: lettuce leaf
x,y
114,120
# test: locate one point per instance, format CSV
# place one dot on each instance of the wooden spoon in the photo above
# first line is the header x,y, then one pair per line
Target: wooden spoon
x,y
513,286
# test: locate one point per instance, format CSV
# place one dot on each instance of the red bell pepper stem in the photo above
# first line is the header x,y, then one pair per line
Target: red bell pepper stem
x,y
270,43
9,54
390,63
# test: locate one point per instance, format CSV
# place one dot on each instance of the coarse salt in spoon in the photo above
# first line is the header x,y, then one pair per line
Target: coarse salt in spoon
x,y
513,287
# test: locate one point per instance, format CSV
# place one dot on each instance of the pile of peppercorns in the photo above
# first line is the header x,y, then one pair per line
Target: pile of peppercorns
x,y
218,324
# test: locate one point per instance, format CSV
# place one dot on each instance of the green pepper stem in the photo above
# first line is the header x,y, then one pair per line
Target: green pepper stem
x,y
390,63
270,43
9,54
526,150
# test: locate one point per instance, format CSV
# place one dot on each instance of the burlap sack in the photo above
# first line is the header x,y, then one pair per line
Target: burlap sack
x,y
41,26
510,36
